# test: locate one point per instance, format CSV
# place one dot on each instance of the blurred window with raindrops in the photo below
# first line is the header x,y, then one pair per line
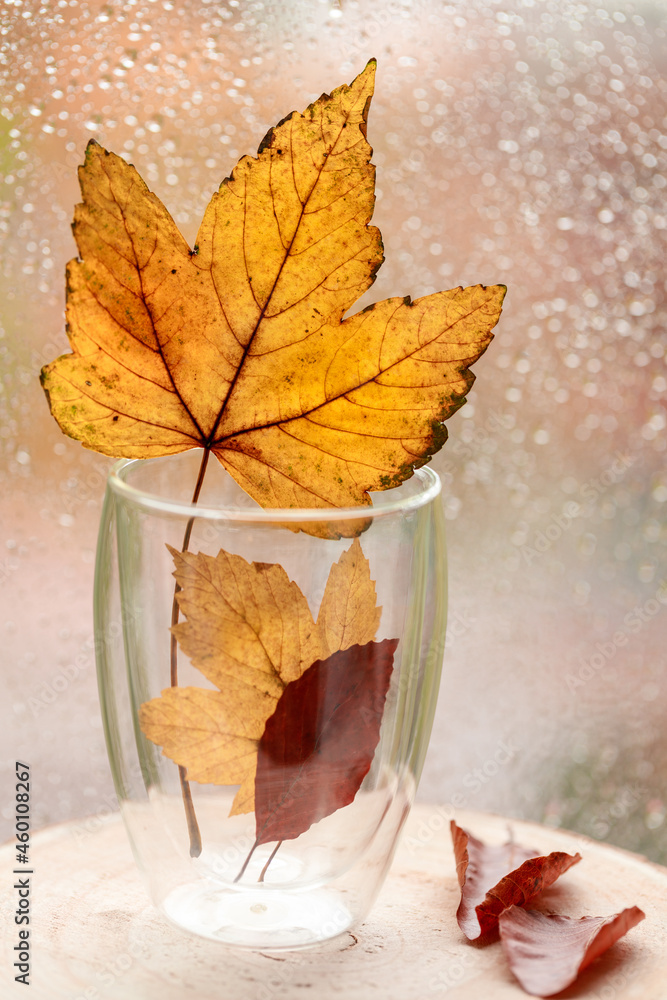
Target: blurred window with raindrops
x,y
521,142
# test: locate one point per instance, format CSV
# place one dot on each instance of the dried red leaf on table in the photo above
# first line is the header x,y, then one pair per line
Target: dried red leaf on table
x,y
546,952
494,878
318,745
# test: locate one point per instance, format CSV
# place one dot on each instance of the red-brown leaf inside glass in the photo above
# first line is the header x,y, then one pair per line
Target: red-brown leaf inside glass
x,y
318,745
546,952
495,878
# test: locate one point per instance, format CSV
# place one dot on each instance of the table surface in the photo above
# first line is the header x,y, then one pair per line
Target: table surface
x,y
96,936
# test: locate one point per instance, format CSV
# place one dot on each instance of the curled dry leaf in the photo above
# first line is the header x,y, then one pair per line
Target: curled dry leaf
x,y
546,952
239,346
318,745
250,632
494,878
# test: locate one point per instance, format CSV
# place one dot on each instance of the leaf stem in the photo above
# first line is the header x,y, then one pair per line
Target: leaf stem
x,y
246,862
190,815
271,857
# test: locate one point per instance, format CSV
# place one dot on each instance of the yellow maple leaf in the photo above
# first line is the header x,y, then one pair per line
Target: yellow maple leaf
x,y
250,631
212,733
240,346
348,612
247,621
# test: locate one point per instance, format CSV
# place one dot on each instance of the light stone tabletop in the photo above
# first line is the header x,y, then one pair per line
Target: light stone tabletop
x,y
96,936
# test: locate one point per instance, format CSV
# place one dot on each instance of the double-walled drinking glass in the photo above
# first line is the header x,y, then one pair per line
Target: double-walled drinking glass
x,y
263,793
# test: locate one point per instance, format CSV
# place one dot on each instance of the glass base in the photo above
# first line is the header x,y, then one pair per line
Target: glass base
x,y
258,917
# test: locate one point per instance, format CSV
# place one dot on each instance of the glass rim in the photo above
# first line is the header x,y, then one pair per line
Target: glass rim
x,y
381,505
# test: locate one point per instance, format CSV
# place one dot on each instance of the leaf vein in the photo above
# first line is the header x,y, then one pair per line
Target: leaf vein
x,y
155,333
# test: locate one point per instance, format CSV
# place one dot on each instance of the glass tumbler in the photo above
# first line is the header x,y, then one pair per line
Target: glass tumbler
x,y
268,680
